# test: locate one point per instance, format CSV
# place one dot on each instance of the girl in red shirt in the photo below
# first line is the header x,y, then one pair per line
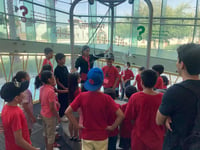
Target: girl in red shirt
x,y
74,90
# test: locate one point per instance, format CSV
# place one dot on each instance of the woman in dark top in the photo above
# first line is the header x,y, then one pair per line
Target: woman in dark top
x,y
86,62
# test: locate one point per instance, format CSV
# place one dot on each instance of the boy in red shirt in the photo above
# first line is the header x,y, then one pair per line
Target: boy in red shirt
x,y
13,119
127,76
49,55
111,74
126,126
159,69
95,107
138,79
113,135
141,109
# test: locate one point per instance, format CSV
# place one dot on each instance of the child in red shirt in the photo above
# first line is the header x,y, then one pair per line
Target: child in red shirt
x,y
159,69
138,80
141,109
49,55
127,76
13,119
111,75
73,81
126,126
95,107
113,135
49,105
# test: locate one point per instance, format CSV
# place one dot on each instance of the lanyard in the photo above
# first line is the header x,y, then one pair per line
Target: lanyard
x,y
87,60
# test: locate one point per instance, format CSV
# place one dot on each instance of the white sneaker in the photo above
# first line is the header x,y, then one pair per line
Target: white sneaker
x,y
55,148
64,119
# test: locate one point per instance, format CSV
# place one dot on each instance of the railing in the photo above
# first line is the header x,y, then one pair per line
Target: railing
x,y
10,63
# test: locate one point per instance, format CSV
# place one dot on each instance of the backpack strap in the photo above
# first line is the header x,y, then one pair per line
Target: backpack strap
x,y
196,93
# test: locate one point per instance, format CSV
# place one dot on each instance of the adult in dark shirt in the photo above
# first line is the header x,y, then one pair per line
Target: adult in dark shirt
x,y
61,75
179,106
86,62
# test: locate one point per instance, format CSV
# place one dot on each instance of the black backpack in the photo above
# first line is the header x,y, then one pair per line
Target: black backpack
x,y
192,142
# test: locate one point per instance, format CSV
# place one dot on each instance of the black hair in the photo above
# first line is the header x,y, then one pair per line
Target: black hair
x,y
47,50
165,80
158,68
118,67
128,64
84,48
72,85
189,54
110,56
19,76
45,75
149,78
38,82
59,56
111,92
130,90
141,68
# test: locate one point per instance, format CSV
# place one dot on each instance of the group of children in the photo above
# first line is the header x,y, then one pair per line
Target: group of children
x,y
94,116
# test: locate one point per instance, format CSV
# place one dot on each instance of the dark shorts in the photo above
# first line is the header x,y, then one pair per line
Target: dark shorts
x,y
125,143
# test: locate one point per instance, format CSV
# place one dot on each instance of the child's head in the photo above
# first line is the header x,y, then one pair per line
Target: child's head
x,y
111,92
141,69
60,58
118,68
13,91
85,50
149,78
109,59
130,90
158,68
95,79
165,80
128,64
47,77
46,67
21,76
48,53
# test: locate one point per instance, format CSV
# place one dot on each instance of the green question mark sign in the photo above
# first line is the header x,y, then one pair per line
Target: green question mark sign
x,y
141,31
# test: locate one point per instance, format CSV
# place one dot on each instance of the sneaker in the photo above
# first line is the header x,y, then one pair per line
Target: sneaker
x,y
56,145
55,148
64,119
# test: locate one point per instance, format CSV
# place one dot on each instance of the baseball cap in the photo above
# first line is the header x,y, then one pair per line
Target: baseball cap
x,y
94,79
11,89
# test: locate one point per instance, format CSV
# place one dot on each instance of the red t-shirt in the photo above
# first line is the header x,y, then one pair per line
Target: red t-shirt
x,y
13,119
95,107
159,83
46,61
126,126
127,74
139,82
47,95
119,81
142,108
110,76
111,120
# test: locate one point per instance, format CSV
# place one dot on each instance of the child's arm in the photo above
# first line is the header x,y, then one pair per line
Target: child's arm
x,y
116,81
71,117
62,91
60,84
28,111
118,120
19,140
53,110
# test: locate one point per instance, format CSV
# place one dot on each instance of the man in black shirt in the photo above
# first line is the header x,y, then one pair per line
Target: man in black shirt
x,y
86,62
179,105
61,75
